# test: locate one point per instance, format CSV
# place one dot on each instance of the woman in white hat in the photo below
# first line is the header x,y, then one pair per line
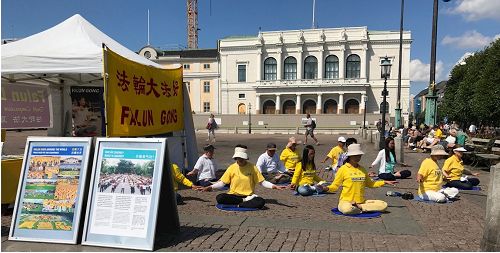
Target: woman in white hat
x,y
453,170
430,178
242,176
353,178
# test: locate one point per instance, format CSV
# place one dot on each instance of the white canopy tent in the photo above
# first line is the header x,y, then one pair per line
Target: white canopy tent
x,y
68,54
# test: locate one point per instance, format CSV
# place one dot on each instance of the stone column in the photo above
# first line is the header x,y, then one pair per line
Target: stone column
x,y
321,63
398,141
258,73
340,106
491,233
342,63
278,104
300,66
364,62
279,67
319,104
257,104
298,105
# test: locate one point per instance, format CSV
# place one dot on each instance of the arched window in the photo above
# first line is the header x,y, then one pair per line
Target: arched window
x,y
269,107
331,67
330,107
290,71
310,67
386,107
289,107
270,69
352,106
353,66
309,107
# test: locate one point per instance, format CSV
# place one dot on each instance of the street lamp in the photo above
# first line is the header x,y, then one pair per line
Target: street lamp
x,y
249,118
385,67
365,99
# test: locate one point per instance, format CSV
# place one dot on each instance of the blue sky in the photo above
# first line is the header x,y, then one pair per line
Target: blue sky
x,y
464,25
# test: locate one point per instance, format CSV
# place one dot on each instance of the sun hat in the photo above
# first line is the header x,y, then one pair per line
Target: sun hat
x,y
460,149
341,139
438,150
240,153
291,141
271,146
354,149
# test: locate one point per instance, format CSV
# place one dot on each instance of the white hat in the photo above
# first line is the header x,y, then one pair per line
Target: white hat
x,y
354,149
460,149
291,141
341,139
438,150
413,127
241,153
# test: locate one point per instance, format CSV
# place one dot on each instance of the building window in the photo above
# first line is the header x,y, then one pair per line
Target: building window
x,y
290,68
186,66
310,67
188,86
206,66
206,86
242,73
332,67
386,107
353,66
241,95
270,69
206,106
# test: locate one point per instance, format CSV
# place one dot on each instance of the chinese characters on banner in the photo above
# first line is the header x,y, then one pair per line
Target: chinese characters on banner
x,y
26,106
142,100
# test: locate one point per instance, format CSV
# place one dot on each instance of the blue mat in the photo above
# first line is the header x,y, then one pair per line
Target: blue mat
x,y
295,193
368,215
234,208
417,198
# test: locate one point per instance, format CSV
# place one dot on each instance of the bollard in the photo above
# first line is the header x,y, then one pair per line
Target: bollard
x,y
235,130
398,141
365,134
297,130
491,233
370,136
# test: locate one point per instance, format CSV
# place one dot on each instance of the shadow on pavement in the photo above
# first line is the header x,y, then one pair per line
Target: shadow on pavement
x,y
186,234
275,202
194,199
5,231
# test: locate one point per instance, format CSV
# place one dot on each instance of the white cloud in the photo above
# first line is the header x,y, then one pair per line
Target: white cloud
x,y
470,39
463,59
420,72
478,9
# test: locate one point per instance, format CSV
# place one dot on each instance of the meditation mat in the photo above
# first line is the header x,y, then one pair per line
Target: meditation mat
x,y
367,215
314,194
234,208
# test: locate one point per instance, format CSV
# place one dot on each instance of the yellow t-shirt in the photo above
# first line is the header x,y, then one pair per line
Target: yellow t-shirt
x,y
353,181
307,176
290,158
242,179
454,167
178,177
433,177
334,154
438,134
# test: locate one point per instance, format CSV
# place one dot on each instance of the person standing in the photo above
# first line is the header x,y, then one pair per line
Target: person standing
x,y
310,126
335,153
386,159
211,126
271,167
205,167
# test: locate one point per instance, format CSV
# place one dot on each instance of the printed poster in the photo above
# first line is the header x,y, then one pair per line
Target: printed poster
x,y
87,111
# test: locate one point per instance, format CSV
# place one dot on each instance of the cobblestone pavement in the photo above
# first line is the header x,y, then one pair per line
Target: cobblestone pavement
x,y
294,223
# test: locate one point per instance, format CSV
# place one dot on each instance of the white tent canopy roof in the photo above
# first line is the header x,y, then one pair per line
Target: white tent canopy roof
x,y
72,47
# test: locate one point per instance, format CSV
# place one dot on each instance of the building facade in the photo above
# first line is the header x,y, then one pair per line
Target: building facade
x,y
317,71
200,73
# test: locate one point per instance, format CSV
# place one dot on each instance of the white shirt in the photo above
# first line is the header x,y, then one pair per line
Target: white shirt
x,y
472,128
450,139
206,168
380,160
269,164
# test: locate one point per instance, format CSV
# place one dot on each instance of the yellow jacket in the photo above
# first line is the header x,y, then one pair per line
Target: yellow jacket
x,y
307,176
290,158
178,177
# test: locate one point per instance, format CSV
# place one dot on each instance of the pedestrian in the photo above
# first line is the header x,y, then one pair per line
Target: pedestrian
x,y
304,178
290,155
379,125
430,178
179,178
455,173
353,178
271,167
386,159
310,126
205,168
335,153
242,176
211,126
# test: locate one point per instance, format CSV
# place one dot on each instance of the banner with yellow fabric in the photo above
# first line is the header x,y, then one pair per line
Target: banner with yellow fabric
x,y
141,100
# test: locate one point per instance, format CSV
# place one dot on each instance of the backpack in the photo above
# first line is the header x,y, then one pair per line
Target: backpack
x,y
313,124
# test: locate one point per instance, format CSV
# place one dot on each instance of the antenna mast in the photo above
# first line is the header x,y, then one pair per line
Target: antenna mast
x,y
192,15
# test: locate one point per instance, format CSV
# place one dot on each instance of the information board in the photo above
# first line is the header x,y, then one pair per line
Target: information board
x,y
51,190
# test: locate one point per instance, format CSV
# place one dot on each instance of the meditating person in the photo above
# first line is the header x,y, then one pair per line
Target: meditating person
x,y
242,177
430,178
454,172
386,159
179,178
271,167
290,155
305,177
353,179
205,168
335,153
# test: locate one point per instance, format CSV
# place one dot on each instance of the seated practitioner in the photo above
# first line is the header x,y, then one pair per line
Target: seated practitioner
x,y
453,170
430,178
353,179
242,177
386,159
205,167
305,177
430,142
271,167
290,155
179,178
335,153
450,141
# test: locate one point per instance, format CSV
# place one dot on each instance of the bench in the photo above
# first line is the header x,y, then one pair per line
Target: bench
x,y
479,144
491,154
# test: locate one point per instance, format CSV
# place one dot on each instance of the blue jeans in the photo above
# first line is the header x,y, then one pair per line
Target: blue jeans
x,y
306,190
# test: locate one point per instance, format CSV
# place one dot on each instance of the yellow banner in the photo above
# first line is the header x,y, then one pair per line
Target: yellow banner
x,y
141,100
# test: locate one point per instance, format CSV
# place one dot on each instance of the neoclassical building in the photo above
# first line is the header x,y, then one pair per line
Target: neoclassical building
x,y
317,71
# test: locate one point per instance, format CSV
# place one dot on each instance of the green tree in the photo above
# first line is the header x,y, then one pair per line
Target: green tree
x,y
125,166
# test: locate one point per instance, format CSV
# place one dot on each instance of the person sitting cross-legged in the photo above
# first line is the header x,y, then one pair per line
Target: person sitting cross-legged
x,y
453,170
271,167
386,158
305,177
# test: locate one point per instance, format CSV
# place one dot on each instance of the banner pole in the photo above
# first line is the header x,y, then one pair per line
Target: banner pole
x,y
105,79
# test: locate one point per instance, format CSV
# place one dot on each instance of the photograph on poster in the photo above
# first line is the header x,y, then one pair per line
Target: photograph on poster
x,y
88,107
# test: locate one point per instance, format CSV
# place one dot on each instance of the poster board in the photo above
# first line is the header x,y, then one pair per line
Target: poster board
x,y
51,190
87,109
127,179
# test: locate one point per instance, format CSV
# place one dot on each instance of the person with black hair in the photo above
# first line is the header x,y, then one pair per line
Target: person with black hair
x,y
305,177
386,159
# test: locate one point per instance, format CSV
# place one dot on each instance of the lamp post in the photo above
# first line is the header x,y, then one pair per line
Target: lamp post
x,y
398,103
365,99
385,66
249,118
